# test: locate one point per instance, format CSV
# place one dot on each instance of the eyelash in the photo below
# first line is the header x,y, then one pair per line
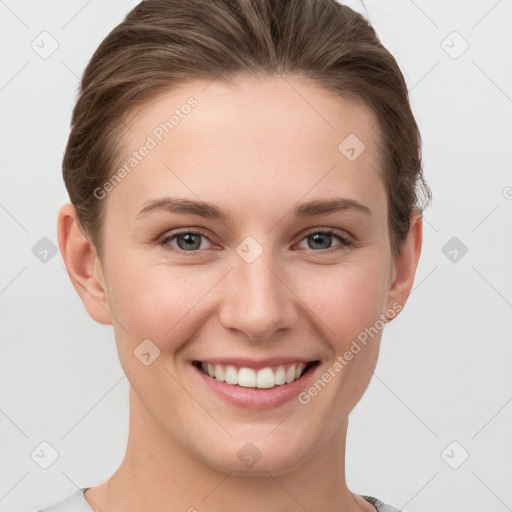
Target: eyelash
x,y
345,241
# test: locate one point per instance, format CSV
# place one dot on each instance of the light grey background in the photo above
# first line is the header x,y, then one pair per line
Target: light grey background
x,y
444,372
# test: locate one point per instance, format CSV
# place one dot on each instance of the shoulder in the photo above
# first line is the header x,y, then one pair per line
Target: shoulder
x,y
75,502
379,505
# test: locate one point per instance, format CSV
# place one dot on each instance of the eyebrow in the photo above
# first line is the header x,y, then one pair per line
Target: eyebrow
x,y
210,211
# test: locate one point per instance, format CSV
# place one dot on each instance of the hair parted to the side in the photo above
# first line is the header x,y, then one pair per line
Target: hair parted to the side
x,y
163,43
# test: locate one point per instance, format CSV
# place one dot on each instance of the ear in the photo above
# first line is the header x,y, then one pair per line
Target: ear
x,y
83,265
405,264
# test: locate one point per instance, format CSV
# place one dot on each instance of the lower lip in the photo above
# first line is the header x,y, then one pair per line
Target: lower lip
x,y
256,398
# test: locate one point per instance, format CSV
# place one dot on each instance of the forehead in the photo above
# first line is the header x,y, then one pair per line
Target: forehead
x,y
252,109
257,139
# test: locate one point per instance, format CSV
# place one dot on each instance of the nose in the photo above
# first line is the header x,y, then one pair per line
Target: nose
x,y
258,299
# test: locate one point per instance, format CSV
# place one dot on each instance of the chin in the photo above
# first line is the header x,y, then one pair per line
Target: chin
x,y
257,458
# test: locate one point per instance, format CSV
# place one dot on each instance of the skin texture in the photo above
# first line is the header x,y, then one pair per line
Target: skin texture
x,y
255,149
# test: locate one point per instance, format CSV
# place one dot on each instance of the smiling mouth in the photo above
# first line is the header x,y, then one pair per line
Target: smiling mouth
x,y
263,378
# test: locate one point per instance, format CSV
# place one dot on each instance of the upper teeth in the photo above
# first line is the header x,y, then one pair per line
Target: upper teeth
x,y
249,378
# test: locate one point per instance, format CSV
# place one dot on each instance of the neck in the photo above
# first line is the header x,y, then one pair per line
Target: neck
x,y
160,475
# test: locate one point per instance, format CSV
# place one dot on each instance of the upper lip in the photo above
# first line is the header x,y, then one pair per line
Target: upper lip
x,y
256,363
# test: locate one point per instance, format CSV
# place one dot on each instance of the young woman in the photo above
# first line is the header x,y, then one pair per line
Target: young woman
x,y
244,180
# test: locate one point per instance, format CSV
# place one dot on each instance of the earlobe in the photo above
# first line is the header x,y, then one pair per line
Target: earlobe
x,y
83,265
405,264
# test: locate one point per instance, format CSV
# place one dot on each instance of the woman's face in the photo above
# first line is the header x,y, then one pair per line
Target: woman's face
x,y
243,273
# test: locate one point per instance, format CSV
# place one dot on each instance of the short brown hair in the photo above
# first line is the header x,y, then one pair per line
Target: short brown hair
x,y
162,43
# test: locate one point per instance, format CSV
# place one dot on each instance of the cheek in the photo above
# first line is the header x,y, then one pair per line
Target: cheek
x,y
350,303
158,301
346,298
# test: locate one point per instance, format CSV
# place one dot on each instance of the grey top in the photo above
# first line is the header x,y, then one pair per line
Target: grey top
x,y
76,502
